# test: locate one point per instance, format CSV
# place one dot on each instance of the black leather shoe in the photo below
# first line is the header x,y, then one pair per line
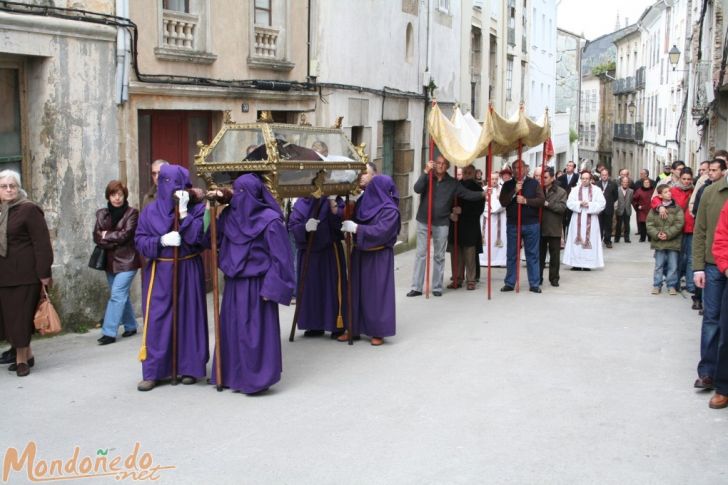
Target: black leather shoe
x,y
22,370
129,333
535,289
555,284
575,268
8,357
437,293
313,333
414,293
507,288
106,340
14,366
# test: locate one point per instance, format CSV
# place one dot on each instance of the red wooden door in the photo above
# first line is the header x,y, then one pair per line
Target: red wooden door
x,y
172,135
169,137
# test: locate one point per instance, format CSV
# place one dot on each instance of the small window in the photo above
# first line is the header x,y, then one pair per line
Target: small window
x,y
176,5
409,43
10,139
263,12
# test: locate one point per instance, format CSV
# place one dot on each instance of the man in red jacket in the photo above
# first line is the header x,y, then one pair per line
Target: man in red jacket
x,y
720,254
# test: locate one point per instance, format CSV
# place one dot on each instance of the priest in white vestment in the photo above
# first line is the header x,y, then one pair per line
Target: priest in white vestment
x,y
496,227
583,247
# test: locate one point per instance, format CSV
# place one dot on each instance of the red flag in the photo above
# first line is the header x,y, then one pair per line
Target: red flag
x,y
549,149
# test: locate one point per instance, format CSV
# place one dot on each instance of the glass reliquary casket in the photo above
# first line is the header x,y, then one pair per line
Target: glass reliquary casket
x,y
294,160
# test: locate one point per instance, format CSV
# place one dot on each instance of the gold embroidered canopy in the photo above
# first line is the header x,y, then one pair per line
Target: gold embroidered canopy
x,y
462,139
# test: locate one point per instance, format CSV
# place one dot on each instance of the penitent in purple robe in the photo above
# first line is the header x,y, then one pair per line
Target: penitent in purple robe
x,y
156,220
322,304
255,257
372,262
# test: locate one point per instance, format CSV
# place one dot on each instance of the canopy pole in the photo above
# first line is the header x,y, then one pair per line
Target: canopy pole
x,y
489,167
429,220
518,225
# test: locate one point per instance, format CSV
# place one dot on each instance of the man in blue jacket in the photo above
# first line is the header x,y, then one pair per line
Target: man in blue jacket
x,y
524,192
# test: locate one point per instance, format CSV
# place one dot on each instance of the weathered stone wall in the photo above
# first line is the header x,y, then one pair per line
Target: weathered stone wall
x,y
72,142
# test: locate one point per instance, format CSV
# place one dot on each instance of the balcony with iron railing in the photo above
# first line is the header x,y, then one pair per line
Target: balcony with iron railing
x,y
640,78
511,37
639,131
703,80
624,131
624,85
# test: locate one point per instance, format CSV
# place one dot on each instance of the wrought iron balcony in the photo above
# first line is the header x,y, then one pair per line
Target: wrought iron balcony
x,y
624,131
640,78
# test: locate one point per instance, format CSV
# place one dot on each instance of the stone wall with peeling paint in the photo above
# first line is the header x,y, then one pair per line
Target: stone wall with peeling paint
x,y
72,142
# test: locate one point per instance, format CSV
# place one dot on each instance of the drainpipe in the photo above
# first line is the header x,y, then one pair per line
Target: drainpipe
x,y
121,91
123,47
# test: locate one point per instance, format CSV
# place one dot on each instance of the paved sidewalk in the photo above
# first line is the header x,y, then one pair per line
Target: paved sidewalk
x,y
590,382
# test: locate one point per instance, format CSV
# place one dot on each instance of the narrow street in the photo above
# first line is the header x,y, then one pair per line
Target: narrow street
x,y
590,382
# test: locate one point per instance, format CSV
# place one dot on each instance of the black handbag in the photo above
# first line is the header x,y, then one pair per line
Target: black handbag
x,y
98,259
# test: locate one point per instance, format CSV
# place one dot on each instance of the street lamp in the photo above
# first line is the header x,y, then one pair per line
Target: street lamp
x,y
674,56
631,107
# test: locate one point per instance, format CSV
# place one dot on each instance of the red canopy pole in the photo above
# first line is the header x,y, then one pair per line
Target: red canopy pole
x,y
543,169
518,225
456,268
429,220
488,169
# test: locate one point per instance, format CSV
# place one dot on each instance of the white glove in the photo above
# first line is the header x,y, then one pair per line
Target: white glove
x,y
171,239
349,226
312,225
183,198
333,197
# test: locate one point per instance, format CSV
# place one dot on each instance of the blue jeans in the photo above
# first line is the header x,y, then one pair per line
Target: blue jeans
x,y
531,241
715,283
118,309
685,266
665,264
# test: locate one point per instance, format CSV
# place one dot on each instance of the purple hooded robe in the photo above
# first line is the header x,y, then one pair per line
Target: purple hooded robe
x,y
324,290
255,257
156,220
372,263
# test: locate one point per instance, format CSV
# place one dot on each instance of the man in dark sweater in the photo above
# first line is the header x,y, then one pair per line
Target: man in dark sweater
x,y
524,192
444,190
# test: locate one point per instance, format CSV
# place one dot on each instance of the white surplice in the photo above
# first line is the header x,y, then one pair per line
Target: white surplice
x,y
575,254
497,213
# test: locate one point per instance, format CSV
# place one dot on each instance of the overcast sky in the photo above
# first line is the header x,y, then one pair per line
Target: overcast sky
x,y
594,18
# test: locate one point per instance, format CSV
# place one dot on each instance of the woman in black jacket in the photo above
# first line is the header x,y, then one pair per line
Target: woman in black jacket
x,y
114,232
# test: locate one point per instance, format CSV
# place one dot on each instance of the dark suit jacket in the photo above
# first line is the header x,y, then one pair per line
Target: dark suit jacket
x,y
610,195
30,254
567,186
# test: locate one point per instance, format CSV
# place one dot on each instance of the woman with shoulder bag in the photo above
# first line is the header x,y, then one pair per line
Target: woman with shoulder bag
x,y
26,257
114,233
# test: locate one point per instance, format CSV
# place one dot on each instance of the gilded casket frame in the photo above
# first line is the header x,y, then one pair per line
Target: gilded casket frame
x,y
289,169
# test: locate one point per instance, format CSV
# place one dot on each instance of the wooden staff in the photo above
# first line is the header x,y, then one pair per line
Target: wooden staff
x,y
175,299
304,269
348,214
215,293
